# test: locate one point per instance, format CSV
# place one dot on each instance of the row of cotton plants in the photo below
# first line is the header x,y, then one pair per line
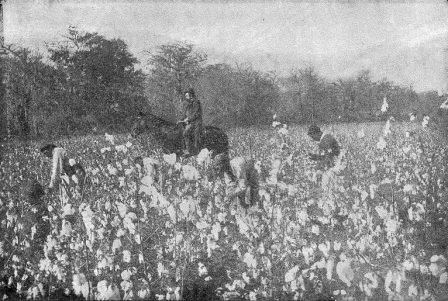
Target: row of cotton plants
x,y
156,226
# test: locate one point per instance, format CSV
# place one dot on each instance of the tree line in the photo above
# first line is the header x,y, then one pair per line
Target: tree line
x,y
87,83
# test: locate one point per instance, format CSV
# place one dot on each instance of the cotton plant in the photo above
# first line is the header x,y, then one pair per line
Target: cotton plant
x,y
133,236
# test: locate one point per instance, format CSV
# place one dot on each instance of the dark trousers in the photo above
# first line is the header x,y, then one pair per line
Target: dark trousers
x,y
192,137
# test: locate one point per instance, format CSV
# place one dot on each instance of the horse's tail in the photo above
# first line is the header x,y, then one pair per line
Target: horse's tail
x,y
226,167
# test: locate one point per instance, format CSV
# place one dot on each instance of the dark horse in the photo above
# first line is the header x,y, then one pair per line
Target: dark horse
x,y
170,137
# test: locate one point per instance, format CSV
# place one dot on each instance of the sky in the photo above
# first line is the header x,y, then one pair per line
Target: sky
x,y
403,41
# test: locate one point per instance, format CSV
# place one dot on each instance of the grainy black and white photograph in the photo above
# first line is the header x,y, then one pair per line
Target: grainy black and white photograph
x,y
224,150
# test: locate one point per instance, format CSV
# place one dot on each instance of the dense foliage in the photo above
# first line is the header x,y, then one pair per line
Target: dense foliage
x,y
87,83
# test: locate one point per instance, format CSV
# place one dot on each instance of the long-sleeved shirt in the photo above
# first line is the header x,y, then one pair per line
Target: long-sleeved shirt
x,y
247,177
193,111
328,151
59,156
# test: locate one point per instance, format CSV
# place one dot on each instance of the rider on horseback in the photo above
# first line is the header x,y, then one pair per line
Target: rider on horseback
x,y
193,123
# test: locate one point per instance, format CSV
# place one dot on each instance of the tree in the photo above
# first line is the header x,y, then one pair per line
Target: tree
x,y
237,96
222,99
174,68
28,81
305,93
260,93
98,78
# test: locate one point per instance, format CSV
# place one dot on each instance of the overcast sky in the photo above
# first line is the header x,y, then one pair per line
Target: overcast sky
x,y
404,42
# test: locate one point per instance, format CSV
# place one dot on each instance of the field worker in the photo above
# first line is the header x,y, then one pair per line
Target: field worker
x,y
38,217
65,172
148,169
329,148
192,123
247,180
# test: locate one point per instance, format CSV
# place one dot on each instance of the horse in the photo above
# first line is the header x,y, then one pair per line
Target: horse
x,y
170,137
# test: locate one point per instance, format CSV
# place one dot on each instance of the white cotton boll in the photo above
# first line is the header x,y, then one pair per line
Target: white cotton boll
x,y
101,288
105,149
204,156
315,229
66,228
67,210
71,162
138,239
250,260
112,170
408,265
110,138
408,188
406,149
252,296
381,143
391,226
361,134
425,121
324,248
382,212
443,278
283,130
372,189
126,256
121,148
126,275
170,159
189,172
122,209
385,105
116,245
412,290
337,246
79,280
345,272
143,293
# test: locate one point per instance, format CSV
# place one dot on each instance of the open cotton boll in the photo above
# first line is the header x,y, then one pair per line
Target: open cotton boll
x,y
109,138
189,172
170,159
385,105
204,156
425,121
